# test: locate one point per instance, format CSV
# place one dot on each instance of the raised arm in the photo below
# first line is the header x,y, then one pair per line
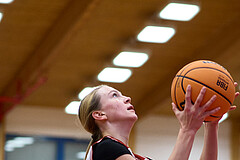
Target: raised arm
x,y
210,148
190,119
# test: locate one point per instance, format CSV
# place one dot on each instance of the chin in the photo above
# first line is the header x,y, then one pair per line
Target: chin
x,y
135,117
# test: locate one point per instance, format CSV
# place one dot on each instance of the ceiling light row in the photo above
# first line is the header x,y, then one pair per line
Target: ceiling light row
x,y
112,74
173,11
150,34
123,59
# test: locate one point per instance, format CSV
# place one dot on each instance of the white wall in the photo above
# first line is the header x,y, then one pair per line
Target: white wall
x,y
33,120
156,137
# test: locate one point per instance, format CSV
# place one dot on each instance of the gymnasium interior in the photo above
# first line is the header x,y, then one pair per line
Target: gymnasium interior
x,y
50,51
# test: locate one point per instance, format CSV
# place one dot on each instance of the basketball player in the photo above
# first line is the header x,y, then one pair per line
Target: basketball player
x,y
109,116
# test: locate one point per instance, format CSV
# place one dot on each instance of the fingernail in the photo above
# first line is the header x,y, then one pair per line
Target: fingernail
x,y
203,89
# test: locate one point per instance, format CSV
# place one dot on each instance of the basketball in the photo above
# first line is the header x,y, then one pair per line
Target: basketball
x,y
209,74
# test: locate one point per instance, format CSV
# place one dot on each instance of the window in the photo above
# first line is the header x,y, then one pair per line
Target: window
x,y
44,148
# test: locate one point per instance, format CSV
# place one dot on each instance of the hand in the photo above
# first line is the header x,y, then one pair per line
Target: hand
x,y
236,95
232,107
193,115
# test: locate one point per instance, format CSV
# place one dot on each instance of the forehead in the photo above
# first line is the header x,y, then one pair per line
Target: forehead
x,y
105,90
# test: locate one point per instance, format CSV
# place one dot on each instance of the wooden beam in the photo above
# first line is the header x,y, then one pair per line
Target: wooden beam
x,y
37,65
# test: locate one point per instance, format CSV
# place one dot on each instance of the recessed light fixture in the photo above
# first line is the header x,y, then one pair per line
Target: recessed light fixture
x,y
85,92
114,75
156,34
179,11
6,1
130,59
72,107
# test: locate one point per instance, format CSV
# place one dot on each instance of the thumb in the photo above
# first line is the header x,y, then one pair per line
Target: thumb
x,y
174,108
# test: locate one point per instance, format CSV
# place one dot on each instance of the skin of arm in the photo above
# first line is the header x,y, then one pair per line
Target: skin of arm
x,y
190,119
210,148
183,145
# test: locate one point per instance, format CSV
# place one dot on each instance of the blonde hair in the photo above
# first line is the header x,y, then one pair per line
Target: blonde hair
x,y
88,105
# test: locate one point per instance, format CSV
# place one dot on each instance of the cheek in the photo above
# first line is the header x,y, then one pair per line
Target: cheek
x,y
109,107
114,110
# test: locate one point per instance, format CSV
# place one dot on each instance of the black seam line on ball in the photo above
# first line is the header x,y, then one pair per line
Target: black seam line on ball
x,y
215,116
207,87
204,68
212,69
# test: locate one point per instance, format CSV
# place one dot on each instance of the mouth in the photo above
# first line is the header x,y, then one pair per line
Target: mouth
x,y
130,108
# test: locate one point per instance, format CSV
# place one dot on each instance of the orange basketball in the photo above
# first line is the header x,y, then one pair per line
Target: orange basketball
x,y
214,77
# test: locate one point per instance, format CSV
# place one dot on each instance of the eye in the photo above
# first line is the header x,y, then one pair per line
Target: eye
x,y
114,95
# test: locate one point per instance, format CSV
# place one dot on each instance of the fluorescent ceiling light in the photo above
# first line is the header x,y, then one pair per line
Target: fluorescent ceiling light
x,y
156,34
85,92
130,59
179,11
72,108
1,15
6,1
114,75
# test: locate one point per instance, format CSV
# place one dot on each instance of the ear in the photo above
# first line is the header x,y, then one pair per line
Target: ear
x,y
99,115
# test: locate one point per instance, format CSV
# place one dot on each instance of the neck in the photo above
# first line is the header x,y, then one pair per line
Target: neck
x,y
118,131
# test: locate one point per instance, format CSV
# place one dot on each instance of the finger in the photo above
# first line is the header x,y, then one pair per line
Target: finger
x,y
175,109
188,97
200,97
208,113
236,94
235,84
232,108
208,103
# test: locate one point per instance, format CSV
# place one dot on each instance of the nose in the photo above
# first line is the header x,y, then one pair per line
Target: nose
x,y
127,100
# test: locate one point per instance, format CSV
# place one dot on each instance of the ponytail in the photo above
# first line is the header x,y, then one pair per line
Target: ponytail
x,y
88,105
97,135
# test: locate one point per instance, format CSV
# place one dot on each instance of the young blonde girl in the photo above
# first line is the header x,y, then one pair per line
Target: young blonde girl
x,y
109,116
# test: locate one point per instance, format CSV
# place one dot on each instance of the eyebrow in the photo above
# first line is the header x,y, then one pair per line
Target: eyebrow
x,y
114,91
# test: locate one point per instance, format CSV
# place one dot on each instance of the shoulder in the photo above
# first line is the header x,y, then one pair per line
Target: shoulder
x,y
108,148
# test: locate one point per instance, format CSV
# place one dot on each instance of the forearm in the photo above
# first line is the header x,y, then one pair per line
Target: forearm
x,y
183,145
210,148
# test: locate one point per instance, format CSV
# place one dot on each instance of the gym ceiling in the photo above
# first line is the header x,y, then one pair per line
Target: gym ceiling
x,y
51,50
